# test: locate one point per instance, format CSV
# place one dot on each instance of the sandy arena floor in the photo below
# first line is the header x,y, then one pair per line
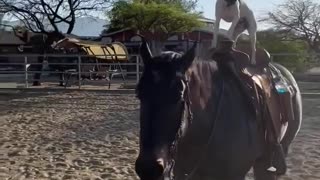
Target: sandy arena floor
x,y
84,135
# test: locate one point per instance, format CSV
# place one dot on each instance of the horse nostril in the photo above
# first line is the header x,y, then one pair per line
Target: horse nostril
x,y
148,169
160,166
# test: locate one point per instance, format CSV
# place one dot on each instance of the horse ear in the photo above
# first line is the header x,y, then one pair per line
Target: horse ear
x,y
188,58
145,52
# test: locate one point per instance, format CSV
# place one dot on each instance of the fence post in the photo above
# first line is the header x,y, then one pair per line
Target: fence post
x,y
26,85
79,71
137,68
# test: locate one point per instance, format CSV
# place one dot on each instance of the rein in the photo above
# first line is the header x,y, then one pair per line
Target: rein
x,y
187,107
189,118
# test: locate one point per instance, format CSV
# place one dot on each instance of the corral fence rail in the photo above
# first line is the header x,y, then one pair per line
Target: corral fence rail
x,y
22,63
25,61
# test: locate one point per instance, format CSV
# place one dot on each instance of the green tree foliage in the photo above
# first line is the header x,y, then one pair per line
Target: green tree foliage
x,y
274,43
152,16
187,5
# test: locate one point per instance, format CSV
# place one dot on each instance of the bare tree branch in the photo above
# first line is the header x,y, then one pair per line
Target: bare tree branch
x,y
44,15
299,17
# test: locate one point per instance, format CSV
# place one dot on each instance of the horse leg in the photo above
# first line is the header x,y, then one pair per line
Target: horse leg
x,y
260,170
61,78
37,75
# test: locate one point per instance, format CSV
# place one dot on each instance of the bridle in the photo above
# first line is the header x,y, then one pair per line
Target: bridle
x,y
188,116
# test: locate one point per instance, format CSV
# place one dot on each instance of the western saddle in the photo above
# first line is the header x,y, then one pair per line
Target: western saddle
x,y
269,92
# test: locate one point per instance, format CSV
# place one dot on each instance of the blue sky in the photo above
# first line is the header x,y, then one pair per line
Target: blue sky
x,y
259,7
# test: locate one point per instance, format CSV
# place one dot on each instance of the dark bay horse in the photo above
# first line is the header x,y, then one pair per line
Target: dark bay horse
x,y
195,123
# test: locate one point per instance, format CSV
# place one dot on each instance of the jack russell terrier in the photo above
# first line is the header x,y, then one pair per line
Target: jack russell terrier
x,y
242,18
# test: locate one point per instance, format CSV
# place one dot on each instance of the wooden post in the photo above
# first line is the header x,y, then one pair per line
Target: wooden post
x,y
79,71
26,85
137,68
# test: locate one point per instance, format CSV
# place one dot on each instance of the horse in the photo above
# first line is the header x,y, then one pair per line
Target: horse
x,y
241,17
196,124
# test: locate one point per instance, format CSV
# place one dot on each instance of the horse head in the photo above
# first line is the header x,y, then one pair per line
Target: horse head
x,y
164,110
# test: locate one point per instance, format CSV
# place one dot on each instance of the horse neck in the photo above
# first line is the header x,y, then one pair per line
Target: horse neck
x,y
201,75
208,85
235,109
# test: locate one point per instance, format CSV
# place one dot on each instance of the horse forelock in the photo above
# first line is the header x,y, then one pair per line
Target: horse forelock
x,y
158,72
201,84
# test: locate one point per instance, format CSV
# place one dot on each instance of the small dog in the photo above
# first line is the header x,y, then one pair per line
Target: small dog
x,y
242,18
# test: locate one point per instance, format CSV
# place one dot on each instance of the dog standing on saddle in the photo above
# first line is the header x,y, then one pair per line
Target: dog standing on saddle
x,y
242,18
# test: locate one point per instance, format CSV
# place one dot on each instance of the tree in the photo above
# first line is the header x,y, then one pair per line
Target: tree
x,y
298,20
273,42
187,5
42,17
35,13
152,16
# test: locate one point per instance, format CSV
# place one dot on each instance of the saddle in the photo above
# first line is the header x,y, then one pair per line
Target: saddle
x,y
275,88
269,92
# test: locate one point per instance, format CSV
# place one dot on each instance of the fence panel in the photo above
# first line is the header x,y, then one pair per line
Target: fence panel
x,y
62,65
22,71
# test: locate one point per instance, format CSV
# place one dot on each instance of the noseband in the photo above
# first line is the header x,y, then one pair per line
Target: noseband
x,y
188,116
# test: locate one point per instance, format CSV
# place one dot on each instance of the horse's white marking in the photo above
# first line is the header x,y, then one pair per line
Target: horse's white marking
x,y
272,169
233,14
160,161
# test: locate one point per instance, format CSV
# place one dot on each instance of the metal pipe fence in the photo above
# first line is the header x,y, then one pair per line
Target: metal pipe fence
x,y
24,65
27,63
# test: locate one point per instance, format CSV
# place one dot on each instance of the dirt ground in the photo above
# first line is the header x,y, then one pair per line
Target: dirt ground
x,y
91,135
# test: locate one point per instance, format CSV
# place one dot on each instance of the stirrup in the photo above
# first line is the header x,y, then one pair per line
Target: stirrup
x,y
277,160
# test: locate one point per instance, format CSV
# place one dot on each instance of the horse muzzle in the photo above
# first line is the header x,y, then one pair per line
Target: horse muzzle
x,y
150,168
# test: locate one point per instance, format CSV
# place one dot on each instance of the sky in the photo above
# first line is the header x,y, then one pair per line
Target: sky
x,y
259,7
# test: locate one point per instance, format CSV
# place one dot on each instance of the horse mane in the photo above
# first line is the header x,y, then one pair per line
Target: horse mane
x,y
201,74
201,82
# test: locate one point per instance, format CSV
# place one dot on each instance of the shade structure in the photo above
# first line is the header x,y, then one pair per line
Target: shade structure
x,y
115,51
